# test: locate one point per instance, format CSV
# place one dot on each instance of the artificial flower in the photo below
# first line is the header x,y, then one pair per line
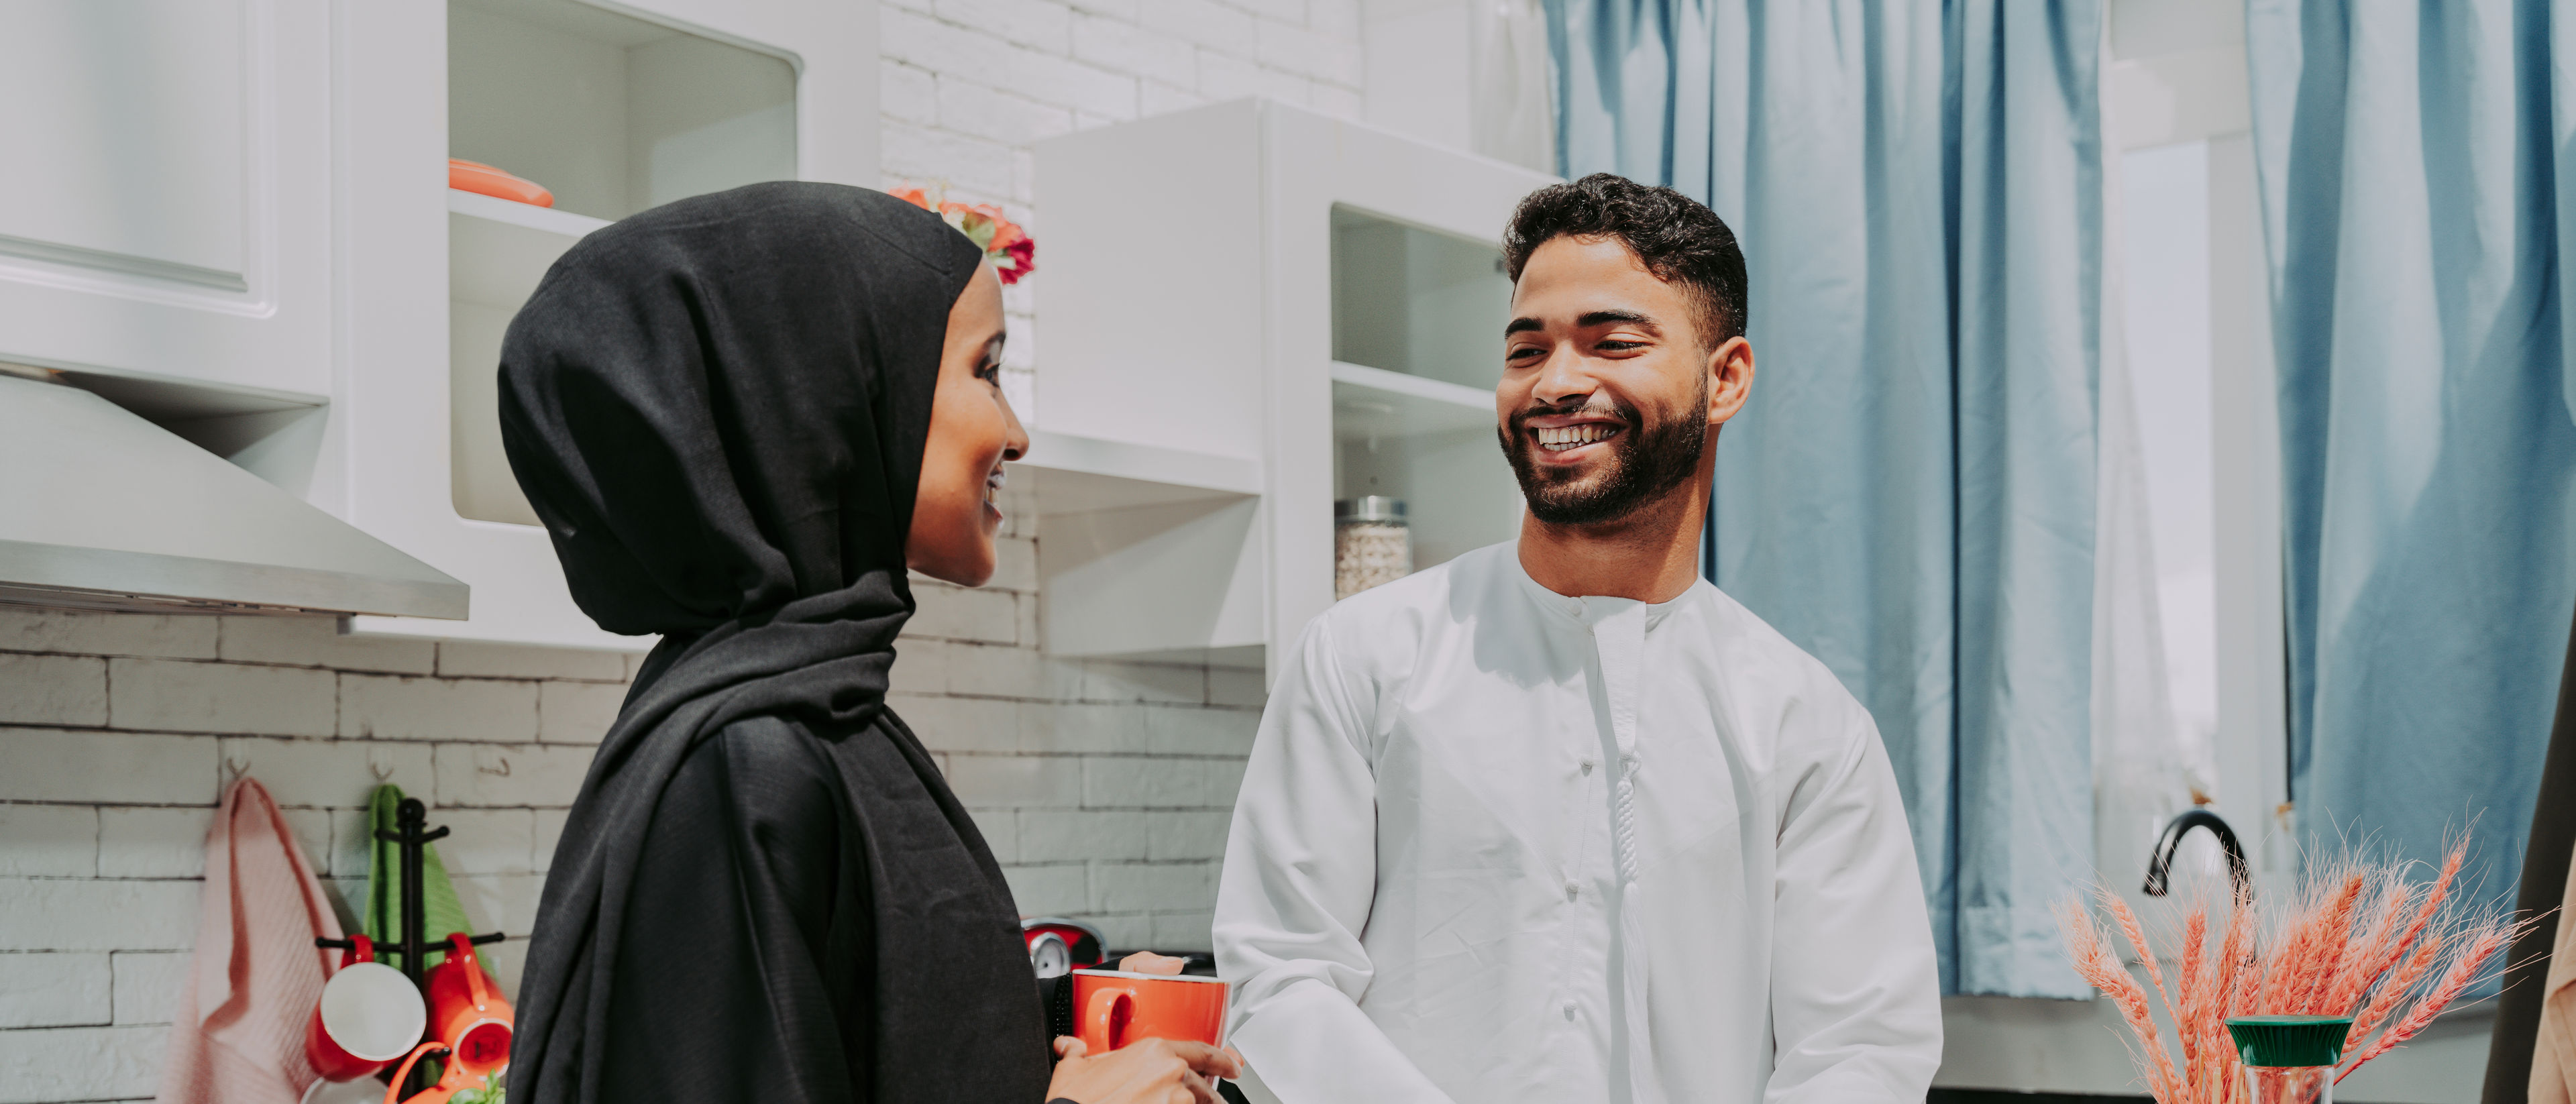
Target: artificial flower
x,y
1005,243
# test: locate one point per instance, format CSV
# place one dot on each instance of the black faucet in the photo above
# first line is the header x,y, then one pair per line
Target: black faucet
x,y
2161,863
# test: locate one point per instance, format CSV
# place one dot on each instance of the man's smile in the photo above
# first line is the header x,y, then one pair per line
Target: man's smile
x,y
1568,438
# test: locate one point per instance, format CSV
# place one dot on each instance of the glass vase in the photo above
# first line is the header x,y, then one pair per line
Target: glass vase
x,y
2290,1084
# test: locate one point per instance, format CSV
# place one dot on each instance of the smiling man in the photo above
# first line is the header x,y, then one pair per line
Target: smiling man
x,y
1557,820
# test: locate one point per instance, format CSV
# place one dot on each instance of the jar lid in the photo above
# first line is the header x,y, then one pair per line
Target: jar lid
x,y
2278,1041
1369,508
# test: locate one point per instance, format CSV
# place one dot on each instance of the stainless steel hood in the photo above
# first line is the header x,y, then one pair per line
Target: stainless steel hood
x,y
101,509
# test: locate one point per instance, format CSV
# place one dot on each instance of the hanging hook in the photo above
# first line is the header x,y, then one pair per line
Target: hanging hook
x,y
503,771
235,768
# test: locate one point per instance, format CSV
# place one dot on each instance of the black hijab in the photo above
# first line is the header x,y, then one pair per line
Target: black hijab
x,y
718,409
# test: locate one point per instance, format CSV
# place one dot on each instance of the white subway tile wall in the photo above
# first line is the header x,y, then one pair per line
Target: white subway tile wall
x,y
1102,787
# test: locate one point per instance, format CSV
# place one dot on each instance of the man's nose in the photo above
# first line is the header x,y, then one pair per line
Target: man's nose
x,y
1563,380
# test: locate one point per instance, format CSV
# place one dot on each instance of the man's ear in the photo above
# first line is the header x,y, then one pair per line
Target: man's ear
x,y
1730,378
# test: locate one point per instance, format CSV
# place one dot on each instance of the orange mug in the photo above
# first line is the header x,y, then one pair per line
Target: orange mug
x,y
468,1011
473,1022
1114,1008
368,1016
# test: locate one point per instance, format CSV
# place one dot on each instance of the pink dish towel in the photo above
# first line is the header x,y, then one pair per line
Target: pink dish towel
x,y
238,1036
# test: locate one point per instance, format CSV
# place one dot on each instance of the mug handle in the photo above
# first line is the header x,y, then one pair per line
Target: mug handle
x,y
464,953
361,949
1103,1012
431,1095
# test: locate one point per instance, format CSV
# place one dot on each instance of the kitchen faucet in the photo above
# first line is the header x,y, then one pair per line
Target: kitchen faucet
x,y
2161,863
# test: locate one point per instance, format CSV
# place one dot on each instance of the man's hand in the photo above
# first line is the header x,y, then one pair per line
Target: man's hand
x,y
1147,962
1148,1071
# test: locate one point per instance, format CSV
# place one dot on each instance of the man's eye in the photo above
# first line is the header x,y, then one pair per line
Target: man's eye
x,y
1619,346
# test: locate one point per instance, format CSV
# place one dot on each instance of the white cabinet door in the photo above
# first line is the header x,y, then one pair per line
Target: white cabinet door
x,y
165,206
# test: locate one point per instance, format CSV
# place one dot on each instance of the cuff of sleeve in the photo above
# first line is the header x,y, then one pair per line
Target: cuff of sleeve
x,y
1057,993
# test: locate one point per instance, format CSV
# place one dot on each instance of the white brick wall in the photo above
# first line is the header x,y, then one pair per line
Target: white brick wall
x,y
104,808
1102,787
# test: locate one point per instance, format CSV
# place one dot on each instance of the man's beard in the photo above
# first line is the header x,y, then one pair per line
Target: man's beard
x,y
1647,460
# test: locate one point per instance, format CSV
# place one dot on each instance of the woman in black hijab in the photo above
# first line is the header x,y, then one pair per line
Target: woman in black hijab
x,y
741,416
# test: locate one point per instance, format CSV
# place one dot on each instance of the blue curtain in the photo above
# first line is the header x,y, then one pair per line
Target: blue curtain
x,y
1910,493
2414,159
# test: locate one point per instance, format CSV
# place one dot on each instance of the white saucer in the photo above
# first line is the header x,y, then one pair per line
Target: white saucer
x,y
364,1090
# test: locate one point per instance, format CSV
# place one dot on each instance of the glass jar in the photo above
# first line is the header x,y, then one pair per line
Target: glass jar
x,y
1372,544
2290,1059
2290,1084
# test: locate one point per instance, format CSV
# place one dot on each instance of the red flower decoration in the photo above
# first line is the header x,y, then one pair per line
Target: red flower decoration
x,y
1023,253
1010,249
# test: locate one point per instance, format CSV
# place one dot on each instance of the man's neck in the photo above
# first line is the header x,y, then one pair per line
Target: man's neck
x,y
1652,555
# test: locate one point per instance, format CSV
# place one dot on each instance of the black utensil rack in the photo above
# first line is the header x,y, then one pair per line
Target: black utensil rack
x,y
411,833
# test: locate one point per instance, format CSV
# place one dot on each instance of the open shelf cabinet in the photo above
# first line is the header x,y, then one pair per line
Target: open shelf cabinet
x,y
1429,444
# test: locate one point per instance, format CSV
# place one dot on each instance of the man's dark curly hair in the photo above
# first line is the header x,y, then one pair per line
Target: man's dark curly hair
x,y
1678,239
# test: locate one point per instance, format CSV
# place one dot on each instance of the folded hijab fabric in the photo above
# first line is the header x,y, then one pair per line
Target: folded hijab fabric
x,y
765,891
238,1034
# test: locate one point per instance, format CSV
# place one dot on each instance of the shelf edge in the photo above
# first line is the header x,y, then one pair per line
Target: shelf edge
x,y
543,219
1072,452
1431,390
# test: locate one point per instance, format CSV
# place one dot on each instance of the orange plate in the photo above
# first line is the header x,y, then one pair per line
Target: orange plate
x,y
482,179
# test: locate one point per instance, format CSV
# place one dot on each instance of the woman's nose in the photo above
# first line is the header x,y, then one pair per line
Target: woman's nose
x,y
1015,437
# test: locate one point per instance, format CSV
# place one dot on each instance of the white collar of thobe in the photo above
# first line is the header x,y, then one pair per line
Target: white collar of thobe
x,y
1591,611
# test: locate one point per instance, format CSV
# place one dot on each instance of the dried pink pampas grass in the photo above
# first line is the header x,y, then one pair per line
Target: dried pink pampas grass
x,y
2100,966
2359,939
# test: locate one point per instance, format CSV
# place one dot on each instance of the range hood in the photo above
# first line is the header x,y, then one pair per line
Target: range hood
x,y
100,509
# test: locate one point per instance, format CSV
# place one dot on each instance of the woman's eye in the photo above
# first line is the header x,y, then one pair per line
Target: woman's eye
x,y
990,373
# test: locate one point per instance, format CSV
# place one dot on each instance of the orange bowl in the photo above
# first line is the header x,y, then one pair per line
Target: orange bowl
x,y
482,179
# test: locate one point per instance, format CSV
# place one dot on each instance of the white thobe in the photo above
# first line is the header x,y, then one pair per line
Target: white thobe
x,y
1499,844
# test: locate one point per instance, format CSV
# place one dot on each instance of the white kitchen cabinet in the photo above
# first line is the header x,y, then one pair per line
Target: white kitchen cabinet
x,y
165,217
1255,282
615,107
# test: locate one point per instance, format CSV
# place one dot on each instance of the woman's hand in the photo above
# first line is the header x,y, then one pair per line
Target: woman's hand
x,y
1148,1071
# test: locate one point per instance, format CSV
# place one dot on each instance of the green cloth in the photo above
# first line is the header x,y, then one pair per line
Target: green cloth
x,y
441,913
